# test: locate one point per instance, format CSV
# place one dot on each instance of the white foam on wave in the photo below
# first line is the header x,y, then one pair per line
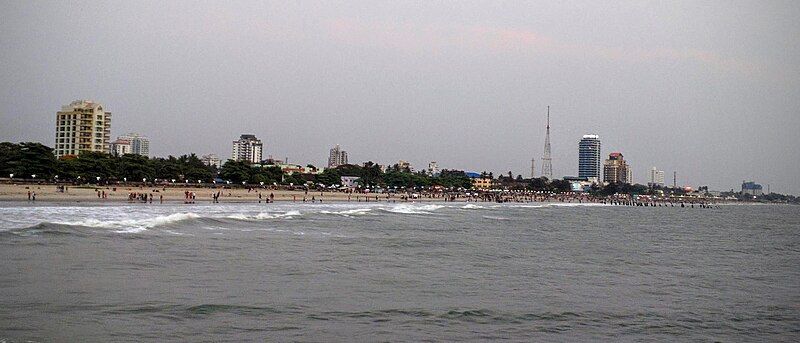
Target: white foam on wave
x,y
132,225
348,213
472,207
413,209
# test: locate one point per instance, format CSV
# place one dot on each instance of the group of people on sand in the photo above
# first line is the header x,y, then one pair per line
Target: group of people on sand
x,y
31,196
141,197
101,195
269,199
189,197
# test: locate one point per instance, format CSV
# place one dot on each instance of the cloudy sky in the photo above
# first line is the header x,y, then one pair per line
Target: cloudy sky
x,y
708,89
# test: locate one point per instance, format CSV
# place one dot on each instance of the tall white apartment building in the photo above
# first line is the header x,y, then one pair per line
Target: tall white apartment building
x,y
247,148
656,178
81,126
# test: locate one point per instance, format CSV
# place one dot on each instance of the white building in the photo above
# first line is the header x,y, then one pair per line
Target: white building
x,y
247,148
140,145
656,178
120,147
211,160
82,125
433,168
337,157
349,181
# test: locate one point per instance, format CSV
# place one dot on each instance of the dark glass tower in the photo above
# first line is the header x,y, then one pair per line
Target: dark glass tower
x,y
589,156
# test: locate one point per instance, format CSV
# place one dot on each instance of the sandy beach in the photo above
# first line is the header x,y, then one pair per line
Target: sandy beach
x,y
172,194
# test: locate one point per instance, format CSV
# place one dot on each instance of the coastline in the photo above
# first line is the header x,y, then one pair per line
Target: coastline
x,y
49,193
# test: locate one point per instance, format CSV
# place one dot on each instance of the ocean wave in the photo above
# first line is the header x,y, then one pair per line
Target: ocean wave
x,y
472,207
413,209
132,225
348,213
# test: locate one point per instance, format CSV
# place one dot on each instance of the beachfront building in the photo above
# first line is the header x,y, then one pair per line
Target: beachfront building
x,y
140,145
616,169
81,126
211,160
349,181
589,157
656,178
120,147
337,157
752,188
247,148
132,143
404,165
433,168
483,183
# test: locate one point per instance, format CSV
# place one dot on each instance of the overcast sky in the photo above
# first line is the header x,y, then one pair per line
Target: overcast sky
x,y
708,89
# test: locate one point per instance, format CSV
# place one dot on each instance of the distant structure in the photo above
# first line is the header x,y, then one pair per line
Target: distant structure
x,y
121,147
533,168
433,168
752,188
589,157
211,160
82,126
247,148
337,157
616,169
132,143
547,161
656,178
404,165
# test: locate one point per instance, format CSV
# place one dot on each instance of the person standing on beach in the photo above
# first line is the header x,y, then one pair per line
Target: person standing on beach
x,y
34,196
29,195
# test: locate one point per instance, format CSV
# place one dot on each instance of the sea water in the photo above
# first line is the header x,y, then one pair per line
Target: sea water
x,y
398,272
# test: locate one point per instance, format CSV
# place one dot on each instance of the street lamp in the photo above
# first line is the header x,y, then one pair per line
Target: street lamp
x,y
124,179
11,175
33,176
173,180
144,179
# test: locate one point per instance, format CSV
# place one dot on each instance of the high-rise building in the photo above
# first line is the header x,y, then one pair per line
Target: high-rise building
x,y
337,157
140,145
82,126
211,160
616,169
589,157
656,178
247,148
132,143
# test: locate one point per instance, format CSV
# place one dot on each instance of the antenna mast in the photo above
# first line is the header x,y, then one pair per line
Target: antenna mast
x,y
547,161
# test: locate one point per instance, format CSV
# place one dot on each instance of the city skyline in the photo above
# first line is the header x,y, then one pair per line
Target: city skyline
x,y
677,90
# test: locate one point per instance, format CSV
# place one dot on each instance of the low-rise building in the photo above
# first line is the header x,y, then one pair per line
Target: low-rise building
x,y
349,181
211,160
483,183
751,188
